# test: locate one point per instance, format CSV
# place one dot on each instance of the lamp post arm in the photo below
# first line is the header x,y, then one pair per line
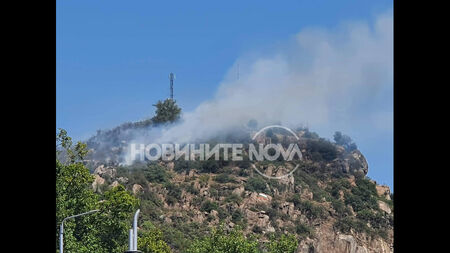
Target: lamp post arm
x,y
61,228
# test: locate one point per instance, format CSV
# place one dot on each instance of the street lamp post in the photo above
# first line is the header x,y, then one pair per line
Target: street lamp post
x,y
133,235
61,228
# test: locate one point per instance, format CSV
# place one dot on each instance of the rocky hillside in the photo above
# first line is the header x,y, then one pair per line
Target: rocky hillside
x,y
328,202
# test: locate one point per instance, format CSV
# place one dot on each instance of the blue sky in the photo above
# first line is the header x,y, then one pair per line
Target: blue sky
x,y
113,57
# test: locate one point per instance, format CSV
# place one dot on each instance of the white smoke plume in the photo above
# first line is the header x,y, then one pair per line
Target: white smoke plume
x,y
328,79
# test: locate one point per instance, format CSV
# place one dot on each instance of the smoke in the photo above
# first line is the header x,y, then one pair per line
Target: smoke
x,y
328,79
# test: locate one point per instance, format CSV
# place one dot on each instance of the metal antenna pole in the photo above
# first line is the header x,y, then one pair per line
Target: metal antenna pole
x,y
171,78
61,228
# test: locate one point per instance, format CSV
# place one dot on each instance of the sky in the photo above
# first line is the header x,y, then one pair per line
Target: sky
x,y
113,59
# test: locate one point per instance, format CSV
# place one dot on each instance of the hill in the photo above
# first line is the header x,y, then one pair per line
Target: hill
x,y
328,203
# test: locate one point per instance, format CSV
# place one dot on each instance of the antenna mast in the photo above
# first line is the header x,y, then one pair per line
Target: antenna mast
x,y
171,78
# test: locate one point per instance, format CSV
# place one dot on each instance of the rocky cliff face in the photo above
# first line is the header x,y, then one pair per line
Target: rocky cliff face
x,y
328,202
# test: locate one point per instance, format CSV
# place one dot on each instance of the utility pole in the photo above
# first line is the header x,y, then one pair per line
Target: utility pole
x,y
61,228
171,78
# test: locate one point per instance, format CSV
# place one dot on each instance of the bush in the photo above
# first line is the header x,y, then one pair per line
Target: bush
x,y
341,209
210,166
237,216
234,198
310,135
307,207
151,240
257,229
219,241
303,230
363,196
286,244
256,184
191,189
224,178
245,163
203,179
208,206
182,165
156,173
321,149
338,185
375,219
346,224
345,141
173,193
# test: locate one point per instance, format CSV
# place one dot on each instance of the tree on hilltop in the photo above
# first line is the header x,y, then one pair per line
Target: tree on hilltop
x,y
166,111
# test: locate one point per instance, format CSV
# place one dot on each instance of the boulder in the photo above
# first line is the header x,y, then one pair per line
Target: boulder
x,y
238,191
137,189
122,180
114,184
105,171
97,182
384,207
384,191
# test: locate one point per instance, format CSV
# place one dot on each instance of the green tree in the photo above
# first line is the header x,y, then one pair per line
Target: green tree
x,y
70,154
74,196
151,240
345,141
166,111
105,231
219,241
113,221
286,244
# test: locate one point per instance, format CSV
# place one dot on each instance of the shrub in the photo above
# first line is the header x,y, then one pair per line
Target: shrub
x,y
303,230
209,166
256,184
345,141
321,149
338,185
191,189
219,241
245,163
203,179
224,178
222,213
346,224
363,196
310,135
257,229
151,240
208,206
156,173
286,244
311,210
234,198
375,219
237,216
341,209
173,193
182,165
